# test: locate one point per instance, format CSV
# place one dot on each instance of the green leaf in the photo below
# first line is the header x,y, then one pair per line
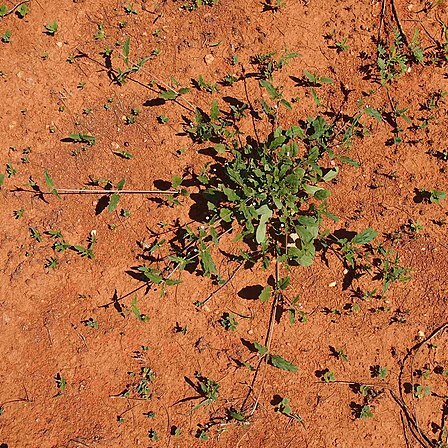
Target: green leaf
x,y
126,46
282,363
322,194
168,95
3,10
48,180
272,91
214,111
366,236
262,350
225,214
330,175
172,282
266,215
220,148
206,260
2,179
23,10
283,283
265,294
113,202
349,161
371,112
176,181
310,76
120,184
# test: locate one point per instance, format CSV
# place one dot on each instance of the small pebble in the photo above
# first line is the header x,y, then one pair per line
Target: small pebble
x,y
332,284
209,58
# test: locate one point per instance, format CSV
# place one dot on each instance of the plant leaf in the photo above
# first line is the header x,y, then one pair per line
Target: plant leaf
x,y
262,350
113,202
214,111
265,294
282,363
366,236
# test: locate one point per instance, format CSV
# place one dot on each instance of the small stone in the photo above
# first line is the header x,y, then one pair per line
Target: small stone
x,y
345,271
209,58
332,284
59,44
420,334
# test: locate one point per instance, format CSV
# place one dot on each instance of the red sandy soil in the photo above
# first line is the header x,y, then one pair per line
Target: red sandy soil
x,y
42,309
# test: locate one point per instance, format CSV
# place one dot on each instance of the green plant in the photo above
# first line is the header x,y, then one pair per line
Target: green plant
x,y
18,213
315,79
208,390
421,391
140,316
228,321
10,170
192,5
366,412
87,251
129,9
284,408
273,5
6,38
81,137
205,86
436,196
35,234
91,323
328,377
61,383
22,10
416,48
51,263
274,360
100,33
341,45
51,28
390,270
392,61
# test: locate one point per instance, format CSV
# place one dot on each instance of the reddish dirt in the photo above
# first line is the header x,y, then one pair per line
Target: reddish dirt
x,y
42,309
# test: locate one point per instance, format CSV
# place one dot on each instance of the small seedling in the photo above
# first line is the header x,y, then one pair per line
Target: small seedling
x,y
100,33
51,263
81,137
140,316
274,5
163,119
315,79
392,62
228,321
329,377
285,409
51,28
6,38
129,9
18,213
208,390
35,234
91,323
152,434
61,383
87,251
342,46
22,10
365,412
10,170
422,391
